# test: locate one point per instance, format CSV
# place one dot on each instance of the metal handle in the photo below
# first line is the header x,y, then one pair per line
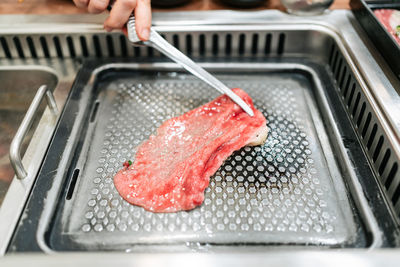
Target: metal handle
x,y
15,148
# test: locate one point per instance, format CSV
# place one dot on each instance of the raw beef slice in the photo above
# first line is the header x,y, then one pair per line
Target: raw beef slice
x,y
173,167
390,18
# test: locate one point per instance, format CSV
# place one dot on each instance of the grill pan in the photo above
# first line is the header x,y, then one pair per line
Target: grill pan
x,y
282,192
294,190
387,46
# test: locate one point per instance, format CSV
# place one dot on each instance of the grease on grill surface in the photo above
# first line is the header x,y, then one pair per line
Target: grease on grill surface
x,y
281,192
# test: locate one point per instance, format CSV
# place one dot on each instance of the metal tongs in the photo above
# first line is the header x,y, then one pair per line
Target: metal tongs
x,y
158,42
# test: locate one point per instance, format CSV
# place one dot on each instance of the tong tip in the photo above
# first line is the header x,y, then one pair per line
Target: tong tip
x,y
248,110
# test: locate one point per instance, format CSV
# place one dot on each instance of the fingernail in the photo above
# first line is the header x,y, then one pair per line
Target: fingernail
x,y
145,34
107,28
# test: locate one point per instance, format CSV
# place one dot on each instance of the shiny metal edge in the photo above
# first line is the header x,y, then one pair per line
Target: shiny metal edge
x,y
271,258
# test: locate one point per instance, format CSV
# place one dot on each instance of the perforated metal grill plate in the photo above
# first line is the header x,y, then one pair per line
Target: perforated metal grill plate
x,y
284,192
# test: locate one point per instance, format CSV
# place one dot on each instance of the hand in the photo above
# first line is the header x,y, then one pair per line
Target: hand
x,y
120,13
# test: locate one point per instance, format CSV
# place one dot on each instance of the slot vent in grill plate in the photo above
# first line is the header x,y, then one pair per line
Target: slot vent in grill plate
x,y
18,47
32,47
83,43
5,48
45,48
71,47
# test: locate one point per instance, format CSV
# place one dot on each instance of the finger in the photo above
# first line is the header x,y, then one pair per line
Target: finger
x,y
143,19
81,3
119,14
97,6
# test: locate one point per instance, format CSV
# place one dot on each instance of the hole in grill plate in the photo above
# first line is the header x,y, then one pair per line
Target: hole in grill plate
x,y
44,47
353,88
372,136
339,68
71,47
281,43
122,41
189,48
366,125
391,175
242,40
110,46
215,44
94,111
72,184
356,103
334,60
267,47
361,115
202,44
85,51
378,148
384,161
57,45
97,47
137,51
347,85
343,76
31,46
175,40
331,54
5,47
150,51
254,44
17,44
396,195
346,88
228,44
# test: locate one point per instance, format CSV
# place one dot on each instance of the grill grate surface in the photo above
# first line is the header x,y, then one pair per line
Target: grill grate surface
x,y
281,192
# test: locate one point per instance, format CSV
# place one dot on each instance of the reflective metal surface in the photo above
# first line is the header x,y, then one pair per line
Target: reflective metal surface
x,y
266,257
15,148
377,83
288,191
307,7
27,75
17,90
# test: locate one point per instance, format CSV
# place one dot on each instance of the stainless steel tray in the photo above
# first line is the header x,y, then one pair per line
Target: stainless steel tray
x,y
288,191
